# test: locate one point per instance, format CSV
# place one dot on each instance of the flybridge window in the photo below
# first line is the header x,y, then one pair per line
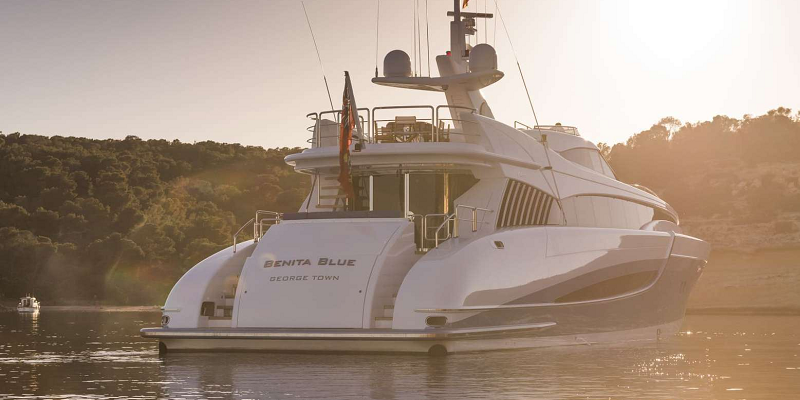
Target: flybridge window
x,y
419,193
609,212
388,192
589,158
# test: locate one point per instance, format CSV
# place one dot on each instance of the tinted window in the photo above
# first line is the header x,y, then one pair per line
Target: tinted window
x,y
589,158
609,212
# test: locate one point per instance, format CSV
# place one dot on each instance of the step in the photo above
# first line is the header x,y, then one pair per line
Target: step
x,y
331,178
333,206
224,307
219,318
330,187
383,322
333,196
388,311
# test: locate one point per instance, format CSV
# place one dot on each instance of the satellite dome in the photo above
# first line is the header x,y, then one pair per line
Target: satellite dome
x,y
396,64
482,58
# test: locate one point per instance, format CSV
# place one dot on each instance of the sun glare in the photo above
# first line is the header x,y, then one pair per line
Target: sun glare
x,y
676,32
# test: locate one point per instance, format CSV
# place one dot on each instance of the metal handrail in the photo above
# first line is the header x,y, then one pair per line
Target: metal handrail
x,y
365,124
425,224
521,124
370,126
569,130
235,235
439,120
258,226
454,218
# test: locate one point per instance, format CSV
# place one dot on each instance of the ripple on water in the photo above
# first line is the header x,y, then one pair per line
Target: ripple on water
x,y
100,356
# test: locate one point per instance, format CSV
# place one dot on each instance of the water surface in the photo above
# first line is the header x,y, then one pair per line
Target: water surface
x,y
99,355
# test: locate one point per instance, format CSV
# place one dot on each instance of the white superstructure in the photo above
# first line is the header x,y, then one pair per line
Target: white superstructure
x,y
464,234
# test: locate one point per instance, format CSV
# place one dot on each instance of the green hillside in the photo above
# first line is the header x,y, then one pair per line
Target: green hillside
x,y
119,221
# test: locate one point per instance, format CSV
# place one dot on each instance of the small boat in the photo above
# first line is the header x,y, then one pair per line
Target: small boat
x,y
28,304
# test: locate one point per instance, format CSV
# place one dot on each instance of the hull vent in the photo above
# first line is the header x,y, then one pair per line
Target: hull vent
x,y
523,205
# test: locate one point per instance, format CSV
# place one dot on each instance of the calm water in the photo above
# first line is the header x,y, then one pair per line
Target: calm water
x,y
100,355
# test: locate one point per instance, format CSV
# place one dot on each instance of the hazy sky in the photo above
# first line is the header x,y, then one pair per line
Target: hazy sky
x,y
247,72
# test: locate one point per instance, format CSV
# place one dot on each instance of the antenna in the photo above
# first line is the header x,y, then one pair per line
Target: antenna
x,y
414,38
428,38
494,35
322,67
377,35
419,44
521,75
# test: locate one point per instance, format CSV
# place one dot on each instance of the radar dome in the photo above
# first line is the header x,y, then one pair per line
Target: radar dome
x,y
482,58
396,64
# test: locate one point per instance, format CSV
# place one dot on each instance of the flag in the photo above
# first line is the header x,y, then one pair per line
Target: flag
x,y
464,5
349,121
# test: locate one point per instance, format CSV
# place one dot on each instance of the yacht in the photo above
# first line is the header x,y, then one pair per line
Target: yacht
x,y
28,304
438,229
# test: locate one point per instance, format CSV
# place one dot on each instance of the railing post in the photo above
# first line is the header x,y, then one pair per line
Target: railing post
x,y
455,224
474,219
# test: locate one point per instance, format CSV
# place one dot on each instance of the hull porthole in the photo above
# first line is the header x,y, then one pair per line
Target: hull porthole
x,y
437,350
162,349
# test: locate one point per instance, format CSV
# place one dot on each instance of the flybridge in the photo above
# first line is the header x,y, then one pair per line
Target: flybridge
x,y
394,124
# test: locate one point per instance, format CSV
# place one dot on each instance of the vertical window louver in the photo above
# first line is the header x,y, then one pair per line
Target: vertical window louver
x,y
523,205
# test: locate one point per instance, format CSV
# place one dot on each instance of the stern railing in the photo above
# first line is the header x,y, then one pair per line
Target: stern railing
x,y
269,218
423,123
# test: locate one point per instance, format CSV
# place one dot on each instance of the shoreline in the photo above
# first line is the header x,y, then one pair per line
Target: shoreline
x,y
720,311
745,311
104,308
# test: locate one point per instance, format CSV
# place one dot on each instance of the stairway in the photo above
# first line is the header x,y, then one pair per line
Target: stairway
x,y
385,321
331,189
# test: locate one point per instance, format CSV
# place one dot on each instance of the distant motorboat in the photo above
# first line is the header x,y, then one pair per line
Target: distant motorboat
x,y
28,304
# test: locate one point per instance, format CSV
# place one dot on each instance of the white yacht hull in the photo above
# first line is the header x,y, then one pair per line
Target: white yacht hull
x,y
539,299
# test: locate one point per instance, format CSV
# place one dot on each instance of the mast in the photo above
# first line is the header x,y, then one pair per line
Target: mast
x,y
457,43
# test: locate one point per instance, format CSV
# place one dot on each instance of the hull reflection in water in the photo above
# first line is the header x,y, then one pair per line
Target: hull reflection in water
x,y
99,355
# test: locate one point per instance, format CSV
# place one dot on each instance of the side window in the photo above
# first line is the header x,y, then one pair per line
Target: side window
x,y
569,211
578,156
589,158
607,168
609,212
585,211
596,165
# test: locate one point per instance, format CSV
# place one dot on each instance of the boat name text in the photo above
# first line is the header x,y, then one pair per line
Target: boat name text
x,y
305,261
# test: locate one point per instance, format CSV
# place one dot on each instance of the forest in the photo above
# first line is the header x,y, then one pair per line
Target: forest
x,y
86,221
119,221
746,169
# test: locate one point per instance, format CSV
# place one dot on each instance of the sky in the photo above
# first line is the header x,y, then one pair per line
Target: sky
x,y
247,71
